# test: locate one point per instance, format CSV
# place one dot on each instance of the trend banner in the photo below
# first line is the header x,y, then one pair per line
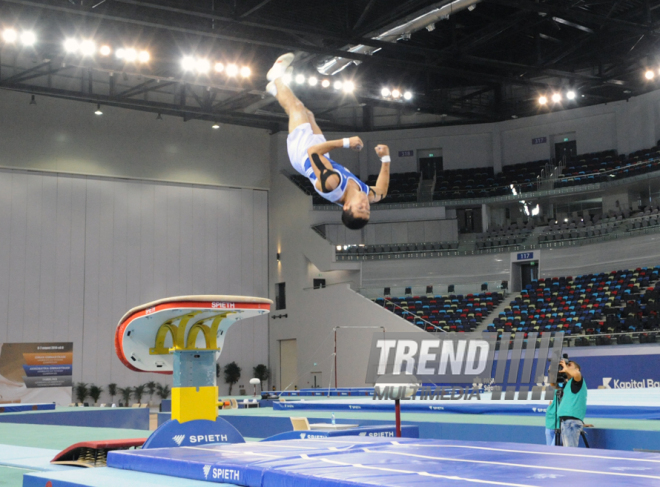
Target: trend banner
x,y
36,372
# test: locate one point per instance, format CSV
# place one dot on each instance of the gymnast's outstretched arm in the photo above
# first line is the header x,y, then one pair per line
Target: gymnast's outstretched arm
x,y
379,191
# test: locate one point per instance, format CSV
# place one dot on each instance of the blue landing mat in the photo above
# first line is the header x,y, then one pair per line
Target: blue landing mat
x,y
19,408
339,462
105,477
460,407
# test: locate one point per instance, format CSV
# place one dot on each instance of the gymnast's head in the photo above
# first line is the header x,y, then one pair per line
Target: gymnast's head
x,y
356,211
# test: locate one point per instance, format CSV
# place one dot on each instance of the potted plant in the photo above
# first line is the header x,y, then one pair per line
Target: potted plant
x,y
262,373
151,389
81,391
138,392
112,390
232,374
95,393
125,393
163,391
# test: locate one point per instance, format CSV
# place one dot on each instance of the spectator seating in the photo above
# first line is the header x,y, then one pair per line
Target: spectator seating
x,y
590,304
513,234
604,166
459,313
585,227
395,248
464,183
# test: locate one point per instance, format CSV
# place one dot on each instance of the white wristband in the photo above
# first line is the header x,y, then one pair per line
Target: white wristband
x,y
385,159
347,143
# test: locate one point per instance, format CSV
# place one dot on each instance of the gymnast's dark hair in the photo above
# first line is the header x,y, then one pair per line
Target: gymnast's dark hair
x,y
351,221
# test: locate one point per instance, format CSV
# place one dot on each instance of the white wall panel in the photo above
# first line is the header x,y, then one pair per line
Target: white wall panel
x,y
76,253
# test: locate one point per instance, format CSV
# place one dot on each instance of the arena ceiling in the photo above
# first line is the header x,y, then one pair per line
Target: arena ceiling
x,y
466,61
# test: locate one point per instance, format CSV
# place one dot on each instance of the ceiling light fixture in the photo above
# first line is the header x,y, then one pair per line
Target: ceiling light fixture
x,y
71,45
312,81
570,95
130,55
246,72
407,95
98,110
87,48
215,126
144,56
105,50
649,74
556,97
28,38
325,83
300,79
9,35
543,100
385,92
396,94
337,85
187,63
232,70
349,87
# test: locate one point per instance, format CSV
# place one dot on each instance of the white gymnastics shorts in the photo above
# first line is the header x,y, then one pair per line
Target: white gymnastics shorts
x,y
297,143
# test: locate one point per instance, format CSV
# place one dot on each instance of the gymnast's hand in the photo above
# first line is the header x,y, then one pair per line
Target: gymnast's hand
x,y
382,150
356,143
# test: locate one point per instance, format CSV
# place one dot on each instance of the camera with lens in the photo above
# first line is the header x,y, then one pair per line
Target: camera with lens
x,y
562,377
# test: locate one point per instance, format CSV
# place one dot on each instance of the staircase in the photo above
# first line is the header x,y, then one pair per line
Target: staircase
x,y
425,192
495,313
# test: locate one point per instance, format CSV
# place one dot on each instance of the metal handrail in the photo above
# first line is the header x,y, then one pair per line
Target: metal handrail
x,y
416,317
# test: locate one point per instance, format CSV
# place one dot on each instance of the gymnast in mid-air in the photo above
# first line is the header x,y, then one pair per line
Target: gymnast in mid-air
x,y
308,152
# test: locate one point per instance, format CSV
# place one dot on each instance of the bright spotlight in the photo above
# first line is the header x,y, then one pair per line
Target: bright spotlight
x,y
120,53
385,92
219,67
9,35
407,95
144,56
188,63
349,87
556,98
246,72
312,81
570,95
28,38
543,100
98,110
130,55
105,50
232,70
87,48
202,66
649,74
338,85
396,94
215,126
325,83
300,79
71,45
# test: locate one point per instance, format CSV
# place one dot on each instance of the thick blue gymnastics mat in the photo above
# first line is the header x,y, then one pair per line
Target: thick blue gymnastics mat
x,y
363,461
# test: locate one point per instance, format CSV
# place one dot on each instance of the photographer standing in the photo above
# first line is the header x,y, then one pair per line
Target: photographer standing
x,y
573,405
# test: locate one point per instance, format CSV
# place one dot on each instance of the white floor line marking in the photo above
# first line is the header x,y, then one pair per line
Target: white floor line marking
x,y
235,453
426,474
486,462
536,452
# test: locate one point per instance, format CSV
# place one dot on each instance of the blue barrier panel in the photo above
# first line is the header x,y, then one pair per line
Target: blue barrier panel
x,y
381,431
166,406
18,408
193,433
125,418
460,407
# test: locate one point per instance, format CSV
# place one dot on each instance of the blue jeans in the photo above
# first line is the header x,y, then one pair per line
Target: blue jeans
x,y
570,432
549,437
